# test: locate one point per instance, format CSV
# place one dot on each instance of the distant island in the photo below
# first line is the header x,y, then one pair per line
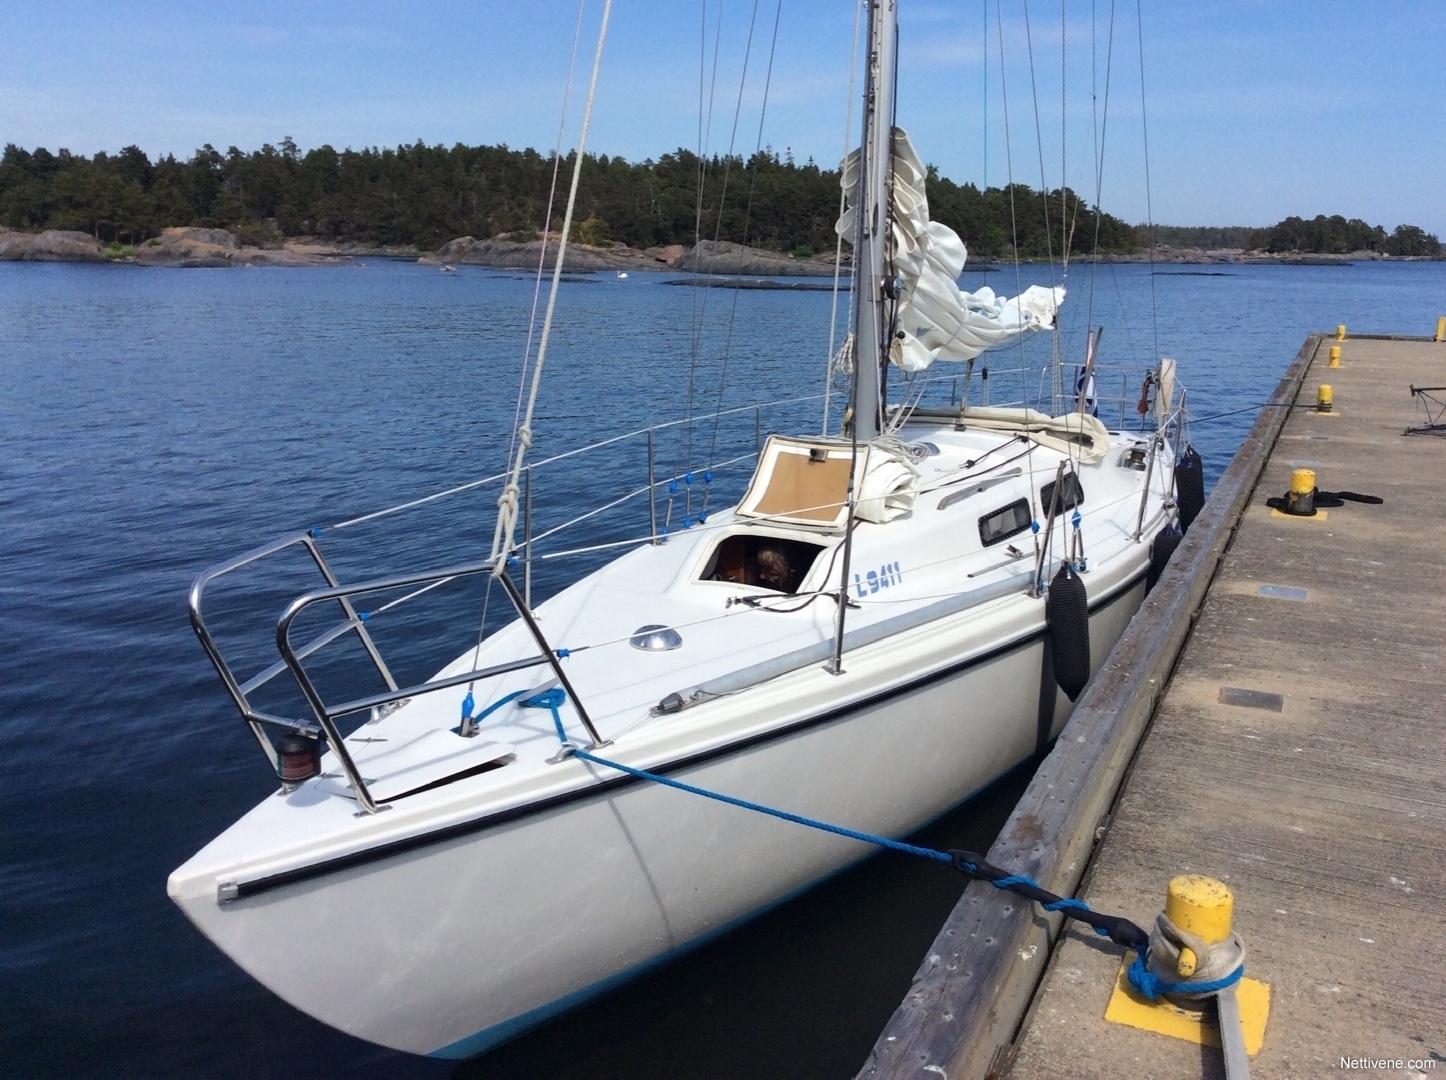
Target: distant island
x,y
486,205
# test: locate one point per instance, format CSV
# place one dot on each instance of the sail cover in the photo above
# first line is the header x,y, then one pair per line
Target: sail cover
x,y
938,320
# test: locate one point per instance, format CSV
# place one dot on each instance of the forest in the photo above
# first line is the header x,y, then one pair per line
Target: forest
x,y
426,195
423,196
1336,236
1319,236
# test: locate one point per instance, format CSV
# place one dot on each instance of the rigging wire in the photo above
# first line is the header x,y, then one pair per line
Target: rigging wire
x,y
733,142
536,291
838,236
1104,130
984,171
1014,237
1064,229
1009,187
1039,142
702,306
684,451
1149,210
546,225
747,222
503,535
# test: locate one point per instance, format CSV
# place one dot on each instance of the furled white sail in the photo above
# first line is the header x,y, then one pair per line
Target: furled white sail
x,y
936,319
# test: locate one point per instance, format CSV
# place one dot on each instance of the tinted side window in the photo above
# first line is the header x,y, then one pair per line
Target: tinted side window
x,y
1004,523
1071,496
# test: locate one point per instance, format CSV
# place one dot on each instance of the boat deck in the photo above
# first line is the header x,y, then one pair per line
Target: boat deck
x,y
1297,753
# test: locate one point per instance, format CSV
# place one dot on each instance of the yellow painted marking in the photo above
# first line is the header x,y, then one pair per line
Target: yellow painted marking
x,y
1196,1025
1320,515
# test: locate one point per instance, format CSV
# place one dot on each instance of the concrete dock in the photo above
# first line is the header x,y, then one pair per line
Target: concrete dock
x,y
1322,800
1272,718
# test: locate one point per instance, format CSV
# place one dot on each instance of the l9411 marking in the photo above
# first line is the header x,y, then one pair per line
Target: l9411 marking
x,y
874,580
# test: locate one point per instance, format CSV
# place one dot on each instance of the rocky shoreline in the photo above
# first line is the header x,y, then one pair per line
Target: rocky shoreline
x,y
193,247
178,247
709,257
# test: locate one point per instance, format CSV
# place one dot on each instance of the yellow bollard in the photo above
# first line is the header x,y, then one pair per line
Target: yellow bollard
x,y
1203,907
1323,400
1341,332
1336,356
1200,905
1300,499
1441,328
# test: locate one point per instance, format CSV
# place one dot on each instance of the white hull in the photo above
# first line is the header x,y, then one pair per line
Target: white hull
x,y
451,947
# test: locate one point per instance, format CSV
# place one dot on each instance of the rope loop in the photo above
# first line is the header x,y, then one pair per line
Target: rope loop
x,y
1151,987
1217,966
550,699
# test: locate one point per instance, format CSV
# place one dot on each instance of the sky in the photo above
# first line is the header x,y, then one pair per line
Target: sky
x,y
1254,109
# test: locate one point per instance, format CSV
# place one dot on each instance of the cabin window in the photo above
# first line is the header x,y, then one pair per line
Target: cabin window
x,y
1003,523
765,561
1070,496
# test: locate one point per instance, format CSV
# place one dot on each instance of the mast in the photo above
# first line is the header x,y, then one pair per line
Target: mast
x,y
871,239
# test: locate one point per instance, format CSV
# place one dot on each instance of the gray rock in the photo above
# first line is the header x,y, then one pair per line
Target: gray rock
x,y
190,248
189,234
725,257
525,255
53,245
708,257
669,254
452,252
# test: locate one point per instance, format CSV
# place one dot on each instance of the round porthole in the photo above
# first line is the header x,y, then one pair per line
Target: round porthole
x,y
656,638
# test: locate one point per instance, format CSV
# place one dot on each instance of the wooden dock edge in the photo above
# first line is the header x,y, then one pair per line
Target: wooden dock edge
x,y
974,987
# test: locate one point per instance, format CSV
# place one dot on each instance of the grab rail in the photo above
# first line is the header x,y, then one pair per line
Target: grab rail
x,y
241,691
326,716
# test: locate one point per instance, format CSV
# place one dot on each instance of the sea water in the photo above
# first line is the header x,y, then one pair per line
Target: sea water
x,y
154,422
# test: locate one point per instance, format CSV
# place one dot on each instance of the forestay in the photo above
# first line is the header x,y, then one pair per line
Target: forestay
x,y
936,319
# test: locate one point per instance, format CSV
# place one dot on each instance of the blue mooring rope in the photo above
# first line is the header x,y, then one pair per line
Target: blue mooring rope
x,y
1151,986
549,699
1144,981
799,819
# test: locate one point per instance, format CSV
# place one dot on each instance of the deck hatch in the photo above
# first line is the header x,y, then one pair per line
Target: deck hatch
x,y
802,482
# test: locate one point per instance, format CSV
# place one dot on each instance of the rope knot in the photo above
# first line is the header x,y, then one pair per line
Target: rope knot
x,y
1155,972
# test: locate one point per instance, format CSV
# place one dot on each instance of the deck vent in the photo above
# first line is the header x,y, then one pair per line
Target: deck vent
x,y
656,638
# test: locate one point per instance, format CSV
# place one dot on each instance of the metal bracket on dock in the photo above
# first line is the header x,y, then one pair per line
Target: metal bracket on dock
x,y
1434,408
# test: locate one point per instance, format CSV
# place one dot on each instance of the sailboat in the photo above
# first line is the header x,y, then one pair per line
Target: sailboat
x,y
866,638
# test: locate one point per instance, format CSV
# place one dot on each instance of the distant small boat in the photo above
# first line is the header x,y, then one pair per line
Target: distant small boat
x,y
448,268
